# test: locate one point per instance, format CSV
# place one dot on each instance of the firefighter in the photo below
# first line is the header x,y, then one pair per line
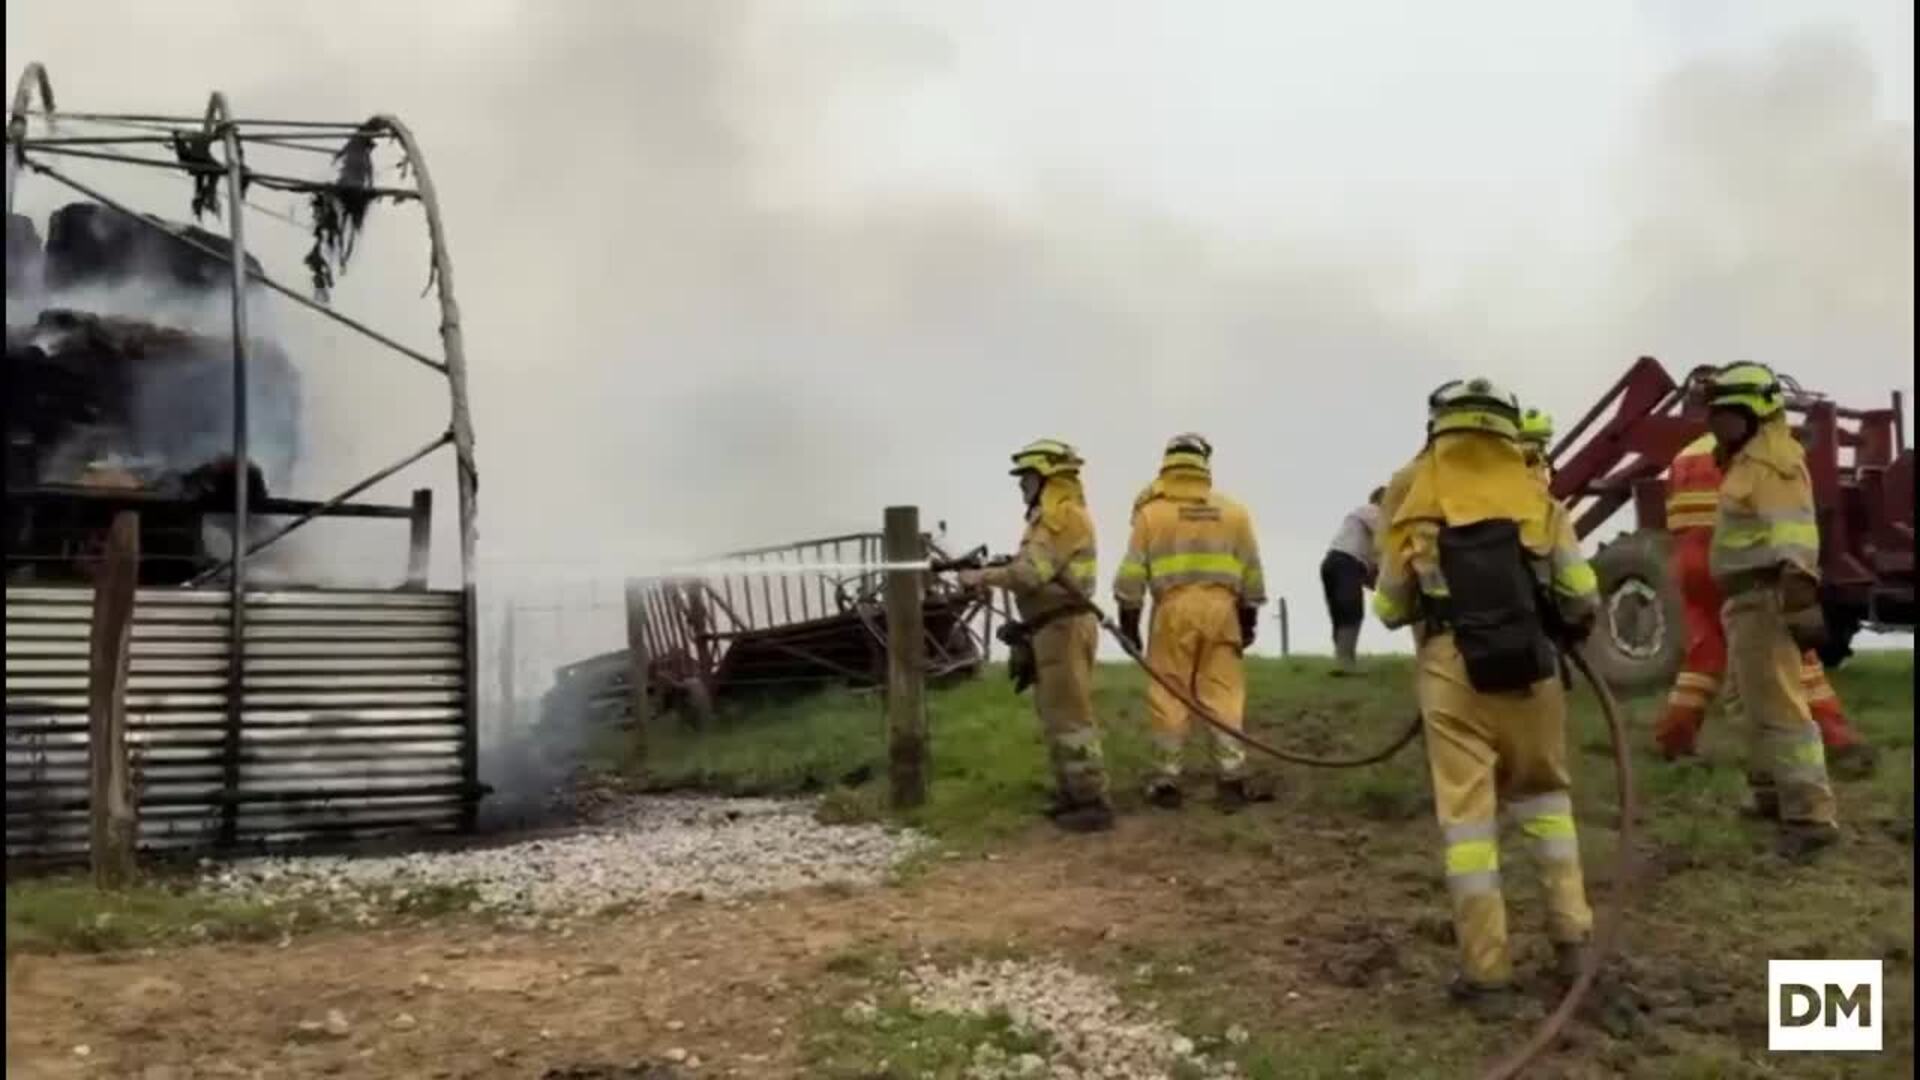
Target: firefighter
x,y
1765,558
1470,511
1053,646
1693,486
1194,550
1536,431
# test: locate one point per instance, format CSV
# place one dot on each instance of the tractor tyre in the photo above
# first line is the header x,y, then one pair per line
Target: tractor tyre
x,y
1843,622
1640,639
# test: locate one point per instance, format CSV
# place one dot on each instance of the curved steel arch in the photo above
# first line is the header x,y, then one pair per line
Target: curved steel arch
x,y
452,342
34,75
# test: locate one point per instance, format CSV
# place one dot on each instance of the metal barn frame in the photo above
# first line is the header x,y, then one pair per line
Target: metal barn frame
x,y
218,124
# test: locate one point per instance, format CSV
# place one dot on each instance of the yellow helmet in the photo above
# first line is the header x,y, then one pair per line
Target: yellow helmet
x,y
1046,457
1187,451
1745,385
1536,428
1473,405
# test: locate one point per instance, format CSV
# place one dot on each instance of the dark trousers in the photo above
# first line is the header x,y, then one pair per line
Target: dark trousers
x,y
1343,577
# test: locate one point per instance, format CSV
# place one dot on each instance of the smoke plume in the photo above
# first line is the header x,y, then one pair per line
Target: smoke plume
x,y
735,273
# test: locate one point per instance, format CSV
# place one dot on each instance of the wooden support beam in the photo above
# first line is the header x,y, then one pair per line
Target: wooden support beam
x,y
419,538
906,661
113,816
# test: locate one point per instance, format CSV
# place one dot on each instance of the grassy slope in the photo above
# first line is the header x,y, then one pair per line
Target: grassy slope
x,y
1712,907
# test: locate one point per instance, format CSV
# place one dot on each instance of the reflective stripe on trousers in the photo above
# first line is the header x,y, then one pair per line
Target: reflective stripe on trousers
x,y
1785,743
1482,750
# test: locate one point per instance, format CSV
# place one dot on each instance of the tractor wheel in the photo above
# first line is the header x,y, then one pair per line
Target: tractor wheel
x,y
1641,637
1842,623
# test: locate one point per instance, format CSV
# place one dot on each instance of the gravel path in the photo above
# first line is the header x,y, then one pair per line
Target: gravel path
x,y
639,850
1091,1032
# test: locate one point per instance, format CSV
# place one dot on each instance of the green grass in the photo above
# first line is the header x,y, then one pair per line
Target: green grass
x,y
68,914
990,776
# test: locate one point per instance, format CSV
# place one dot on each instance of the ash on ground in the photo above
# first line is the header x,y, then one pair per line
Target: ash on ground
x,y
1090,1033
635,851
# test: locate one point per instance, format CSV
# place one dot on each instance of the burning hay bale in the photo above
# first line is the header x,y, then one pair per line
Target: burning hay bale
x,y
643,851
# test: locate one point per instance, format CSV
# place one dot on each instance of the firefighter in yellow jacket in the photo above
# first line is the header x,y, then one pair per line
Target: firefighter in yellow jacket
x,y
1766,560
1057,631
1536,432
1194,550
1482,563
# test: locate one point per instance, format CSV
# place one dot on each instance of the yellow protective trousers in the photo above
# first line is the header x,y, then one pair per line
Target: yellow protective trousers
x,y
1787,765
1487,751
1063,652
1194,643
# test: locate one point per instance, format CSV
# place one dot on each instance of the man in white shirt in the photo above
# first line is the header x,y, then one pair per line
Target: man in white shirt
x,y
1349,568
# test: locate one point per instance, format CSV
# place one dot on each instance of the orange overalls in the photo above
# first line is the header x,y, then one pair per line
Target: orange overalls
x,y
1693,493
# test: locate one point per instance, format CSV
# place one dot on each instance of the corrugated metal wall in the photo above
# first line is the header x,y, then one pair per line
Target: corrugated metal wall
x,y
357,717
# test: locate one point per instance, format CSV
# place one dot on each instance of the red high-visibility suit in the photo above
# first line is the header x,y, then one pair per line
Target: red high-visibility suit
x,y
1693,492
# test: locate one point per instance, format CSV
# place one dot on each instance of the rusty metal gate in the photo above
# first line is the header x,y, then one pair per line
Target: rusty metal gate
x,y
798,626
357,717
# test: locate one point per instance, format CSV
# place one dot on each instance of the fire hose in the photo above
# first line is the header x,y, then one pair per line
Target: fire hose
x,y
1607,925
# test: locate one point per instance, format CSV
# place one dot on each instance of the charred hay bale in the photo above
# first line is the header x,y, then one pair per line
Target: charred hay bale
x,y
26,256
90,244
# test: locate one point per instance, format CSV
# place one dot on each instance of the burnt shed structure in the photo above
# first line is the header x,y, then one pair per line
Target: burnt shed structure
x,y
255,716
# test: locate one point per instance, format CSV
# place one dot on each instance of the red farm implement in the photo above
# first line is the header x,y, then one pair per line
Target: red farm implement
x,y
1618,454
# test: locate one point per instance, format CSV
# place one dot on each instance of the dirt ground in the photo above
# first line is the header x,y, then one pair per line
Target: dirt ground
x,y
1318,931
728,985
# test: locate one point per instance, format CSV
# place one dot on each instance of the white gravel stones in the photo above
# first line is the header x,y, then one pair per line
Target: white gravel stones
x,y
1091,1032
641,850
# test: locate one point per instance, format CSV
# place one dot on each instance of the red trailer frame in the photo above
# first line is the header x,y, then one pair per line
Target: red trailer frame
x,y
1859,461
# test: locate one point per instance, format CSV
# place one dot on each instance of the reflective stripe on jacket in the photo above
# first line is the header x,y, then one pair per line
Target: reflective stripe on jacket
x,y
1765,515
1189,534
1693,486
1059,538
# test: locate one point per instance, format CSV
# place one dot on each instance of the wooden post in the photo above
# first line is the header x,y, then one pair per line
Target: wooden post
x,y
113,818
419,538
692,603
1286,635
639,706
906,661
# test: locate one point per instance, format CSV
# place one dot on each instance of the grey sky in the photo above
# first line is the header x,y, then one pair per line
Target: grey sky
x,y
740,272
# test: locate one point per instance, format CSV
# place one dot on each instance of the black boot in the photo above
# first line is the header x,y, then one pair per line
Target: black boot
x,y
1164,794
1802,842
1230,795
1492,1004
1764,807
1086,818
1854,761
1346,650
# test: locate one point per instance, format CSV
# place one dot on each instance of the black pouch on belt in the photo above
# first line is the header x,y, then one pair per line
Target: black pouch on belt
x,y
1018,638
1493,606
